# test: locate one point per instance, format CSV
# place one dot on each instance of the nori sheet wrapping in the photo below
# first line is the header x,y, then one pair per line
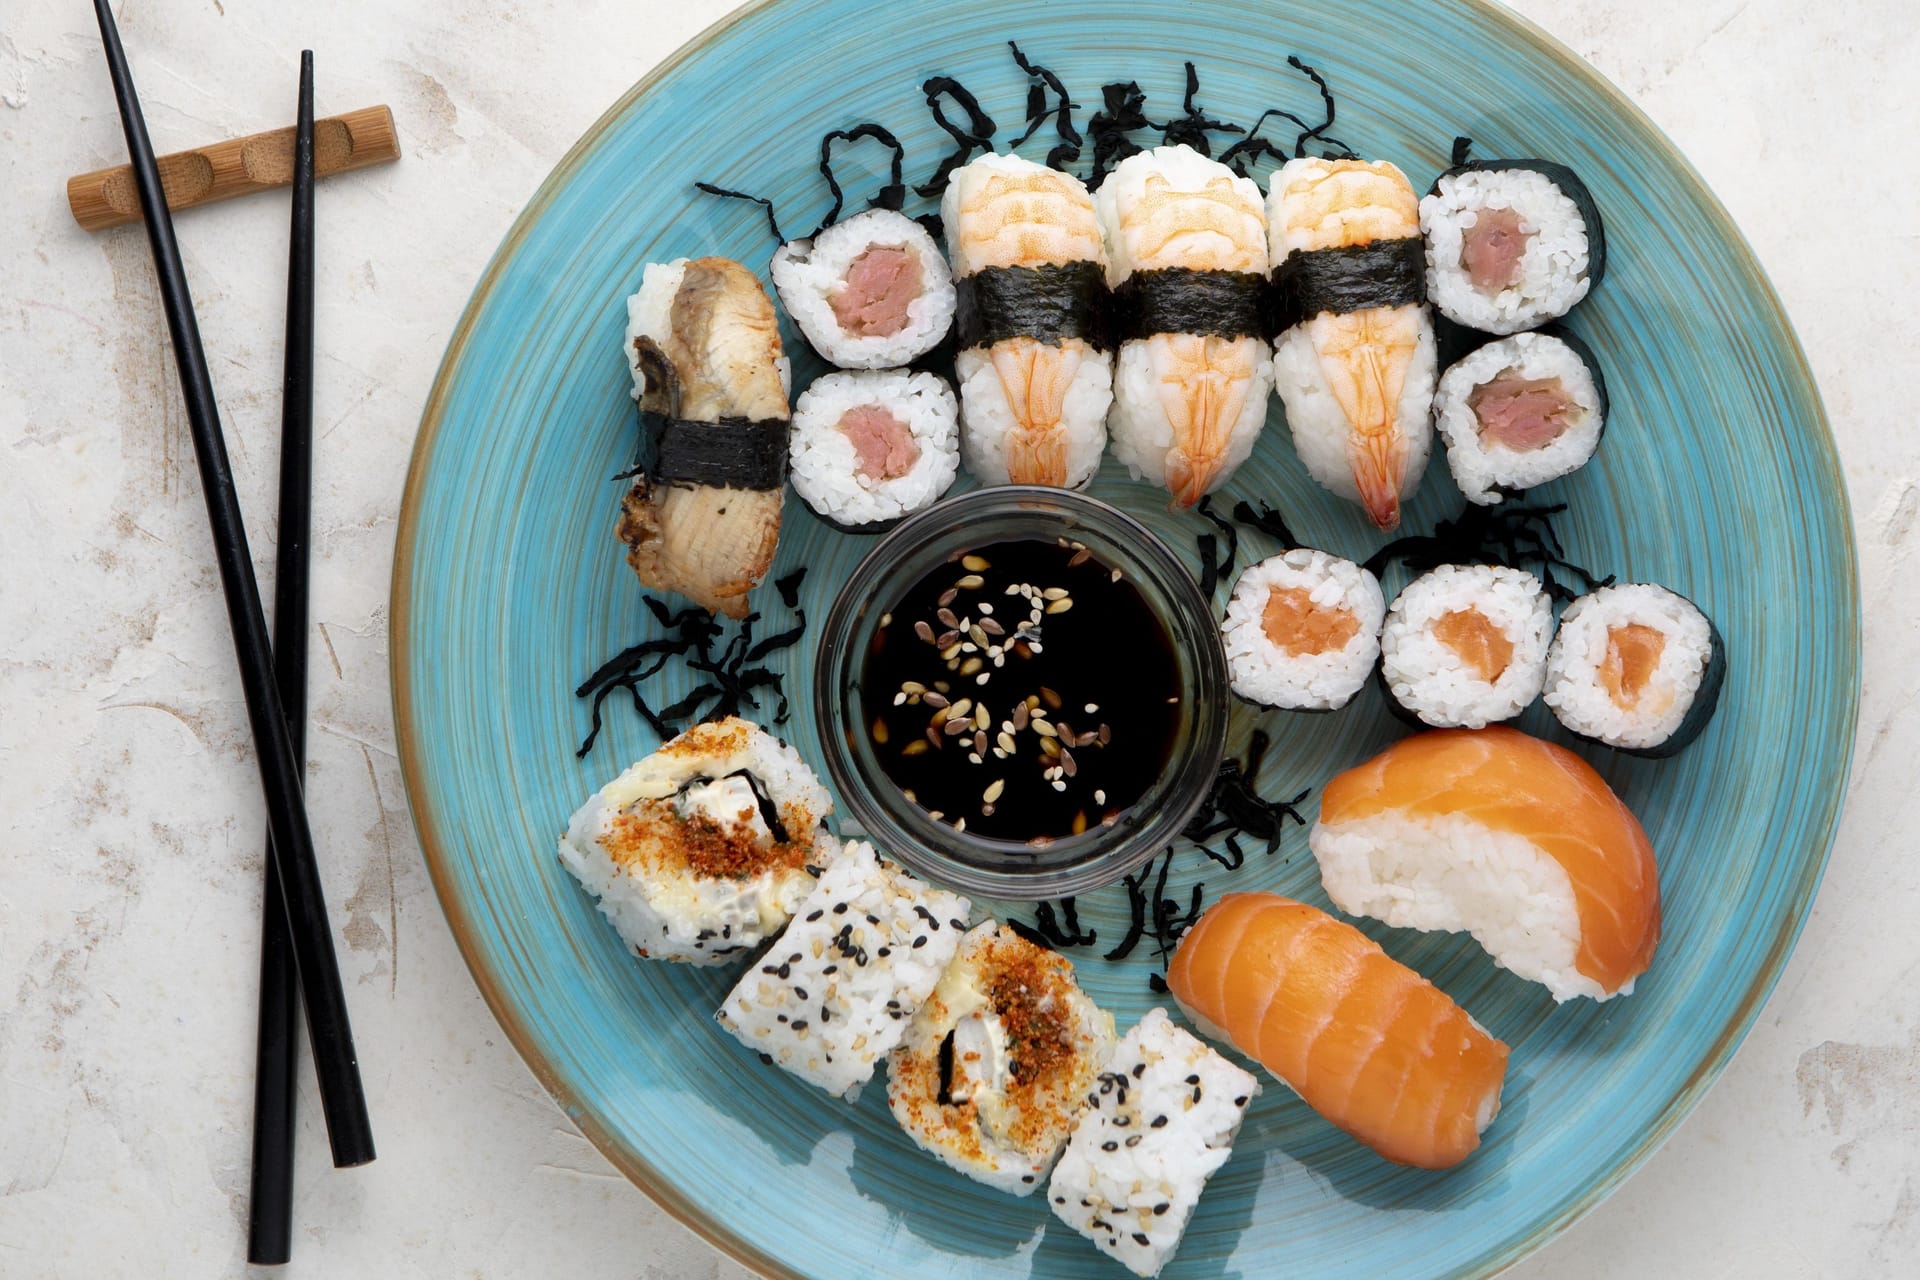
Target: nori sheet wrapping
x,y
1051,303
1384,273
1570,185
1706,700
1214,304
733,453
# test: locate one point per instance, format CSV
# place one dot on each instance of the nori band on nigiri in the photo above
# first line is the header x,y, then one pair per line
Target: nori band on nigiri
x,y
733,453
1051,303
1384,273
1570,186
1214,304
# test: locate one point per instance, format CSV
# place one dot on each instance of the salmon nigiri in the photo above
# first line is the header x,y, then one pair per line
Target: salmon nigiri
x,y
1517,841
1364,1040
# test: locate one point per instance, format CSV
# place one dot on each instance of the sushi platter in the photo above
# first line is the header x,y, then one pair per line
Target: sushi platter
x,y
1285,697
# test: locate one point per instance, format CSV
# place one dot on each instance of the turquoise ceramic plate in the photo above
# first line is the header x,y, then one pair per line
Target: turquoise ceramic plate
x,y
1717,477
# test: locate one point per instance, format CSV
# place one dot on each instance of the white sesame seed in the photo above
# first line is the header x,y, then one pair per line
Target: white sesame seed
x,y
971,582
973,757
1060,606
983,677
1058,785
1099,797
994,790
1092,707
1055,593
986,610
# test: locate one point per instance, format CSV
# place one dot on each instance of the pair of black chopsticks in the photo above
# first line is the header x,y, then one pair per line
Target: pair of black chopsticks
x,y
297,961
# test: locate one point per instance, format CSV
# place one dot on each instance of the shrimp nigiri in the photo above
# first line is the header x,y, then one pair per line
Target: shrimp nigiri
x,y
1035,376
1356,371
1514,840
1368,1043
1187,259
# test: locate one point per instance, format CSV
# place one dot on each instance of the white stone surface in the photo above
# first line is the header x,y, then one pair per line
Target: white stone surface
x,y
129,878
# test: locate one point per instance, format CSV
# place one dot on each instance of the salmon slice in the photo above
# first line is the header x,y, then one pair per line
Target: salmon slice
x,y
1509,784
1365,1041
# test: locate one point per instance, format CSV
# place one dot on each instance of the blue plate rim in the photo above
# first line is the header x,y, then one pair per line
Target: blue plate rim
x,y
697,1217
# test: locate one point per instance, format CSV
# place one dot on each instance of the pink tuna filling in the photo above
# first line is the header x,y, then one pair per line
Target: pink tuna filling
x,y
1521,413
884,447
1491,249
872,302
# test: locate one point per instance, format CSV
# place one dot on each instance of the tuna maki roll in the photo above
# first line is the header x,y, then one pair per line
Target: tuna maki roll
x,y
1302,631
999,1060
869,293
1034,365
1519,412
1354,361
1636,667
1465,646
1162,1120
1187,260
702,850
871,448
1511,244
834,992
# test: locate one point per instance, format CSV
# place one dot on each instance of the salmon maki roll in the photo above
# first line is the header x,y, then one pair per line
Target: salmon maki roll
x,y
1375,1048
1516,841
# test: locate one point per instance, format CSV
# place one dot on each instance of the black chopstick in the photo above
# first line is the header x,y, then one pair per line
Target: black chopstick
x,y
342,1099
270,1203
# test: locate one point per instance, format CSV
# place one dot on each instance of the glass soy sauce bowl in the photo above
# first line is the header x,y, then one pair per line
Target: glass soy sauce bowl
x,y
1188,744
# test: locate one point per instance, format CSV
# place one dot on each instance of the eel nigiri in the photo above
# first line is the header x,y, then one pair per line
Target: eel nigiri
x,y
1029,271
1368,1043
1187,261
1355,369
703,516
1517,841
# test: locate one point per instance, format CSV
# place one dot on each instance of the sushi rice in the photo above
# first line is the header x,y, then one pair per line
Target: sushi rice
x,y
1319,597
841,483
1655,709
1161,1122
678,852
813,275
1466,645
1557,436
1551,275
835,991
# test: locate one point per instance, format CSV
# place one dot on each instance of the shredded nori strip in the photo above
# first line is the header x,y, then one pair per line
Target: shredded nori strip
x,y
1193,126
1233,808
891,196
1355,277
1049,926
1215,304
977,136
944,1060
1030,933
1050,303
762,201
1518,537
1155,914
1121,113
1039,111
1253,148
1462,151
690,634
1231,534
1337,150
769,811
1209,566
733,453
1267,521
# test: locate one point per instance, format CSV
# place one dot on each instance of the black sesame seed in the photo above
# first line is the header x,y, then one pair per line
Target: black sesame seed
x,y
958,924
1193,1079
839,908
1134,1141
815,914
1159,1122
1059,1199
920,942
1109,1146
1240,1101
779,1017
767,1058
800,993
800,1025
884,952
832,968
1161,1208
767,968
1121,1122
1139,1069
1196,1093
1026,1177
1140,1236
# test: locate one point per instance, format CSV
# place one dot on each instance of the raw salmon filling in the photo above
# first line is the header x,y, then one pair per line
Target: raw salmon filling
x,y
1298,626
1477,641
1633,655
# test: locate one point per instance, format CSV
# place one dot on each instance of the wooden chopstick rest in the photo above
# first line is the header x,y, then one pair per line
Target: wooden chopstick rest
x,y
222,170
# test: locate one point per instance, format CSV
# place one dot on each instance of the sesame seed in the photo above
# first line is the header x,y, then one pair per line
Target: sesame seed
x,y
880,731
1060,606
973,757
970,666
1058,785
977,564
924,631
947,597
1055,593
1080,557
1099,797
994,790
1092,707
918,747
886,619
983,677
935,699
972,582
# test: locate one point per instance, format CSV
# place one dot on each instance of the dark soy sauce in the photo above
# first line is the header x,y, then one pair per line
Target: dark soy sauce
x,y
1080,687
